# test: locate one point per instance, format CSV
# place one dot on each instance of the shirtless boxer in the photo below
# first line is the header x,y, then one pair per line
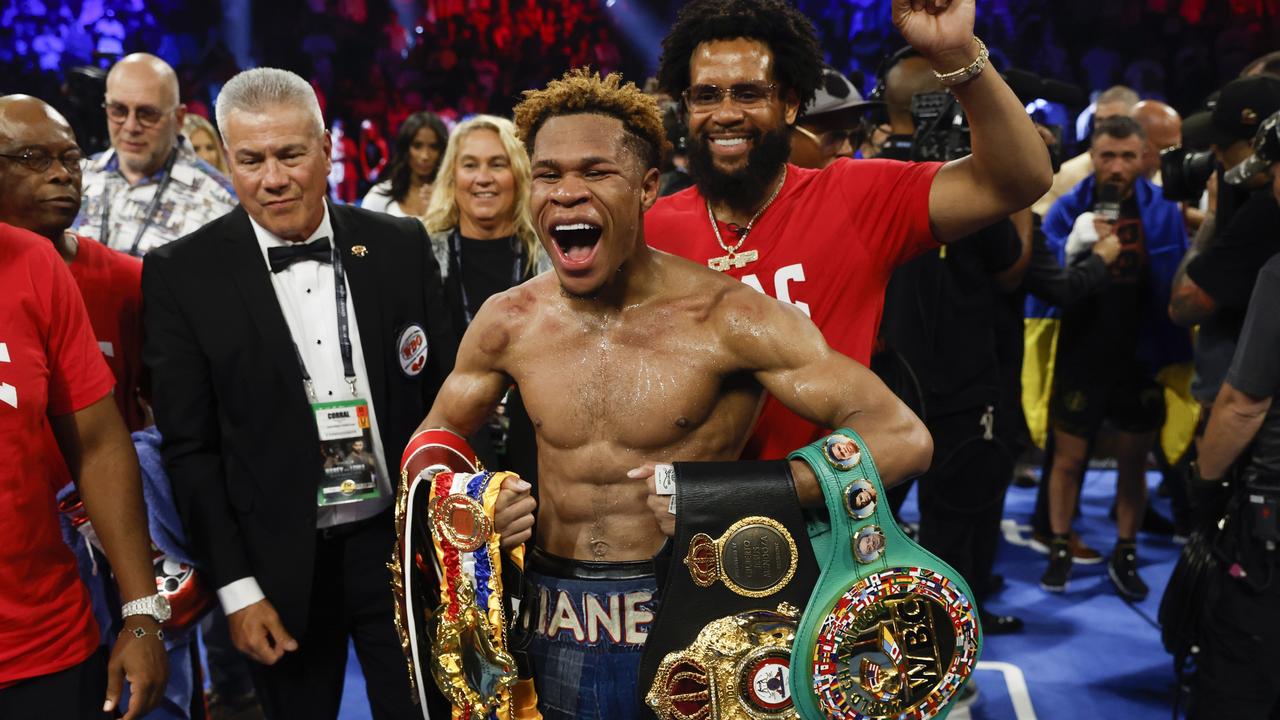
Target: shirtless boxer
x,y
627,356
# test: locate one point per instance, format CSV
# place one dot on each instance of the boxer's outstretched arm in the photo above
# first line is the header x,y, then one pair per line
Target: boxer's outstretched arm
x,y
790,358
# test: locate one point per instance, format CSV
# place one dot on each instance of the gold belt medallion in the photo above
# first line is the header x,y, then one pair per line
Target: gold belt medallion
x,y
461,522
756,557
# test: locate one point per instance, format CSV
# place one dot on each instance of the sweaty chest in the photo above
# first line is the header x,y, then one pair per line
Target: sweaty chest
x,y
642,387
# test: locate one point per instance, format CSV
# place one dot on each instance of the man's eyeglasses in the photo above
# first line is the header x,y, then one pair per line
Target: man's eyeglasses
x,y
704,98
147,115
39,159
836,138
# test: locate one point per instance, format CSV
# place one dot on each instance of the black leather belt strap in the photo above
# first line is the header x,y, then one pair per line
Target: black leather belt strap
x,y
710,498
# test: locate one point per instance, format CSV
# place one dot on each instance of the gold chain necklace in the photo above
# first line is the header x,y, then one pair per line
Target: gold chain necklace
x,y
732,258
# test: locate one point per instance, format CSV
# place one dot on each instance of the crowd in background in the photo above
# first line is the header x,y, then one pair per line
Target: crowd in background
x,y
407,103
369,62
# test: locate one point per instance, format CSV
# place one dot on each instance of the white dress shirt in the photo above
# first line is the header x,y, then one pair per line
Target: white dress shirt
x,y
305,291
379,199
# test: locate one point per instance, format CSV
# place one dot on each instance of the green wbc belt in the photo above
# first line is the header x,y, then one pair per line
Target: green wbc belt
x,y
890,631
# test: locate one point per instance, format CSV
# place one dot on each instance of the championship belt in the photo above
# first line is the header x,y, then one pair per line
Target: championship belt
x,y
415,577
731,583
890,631
471,664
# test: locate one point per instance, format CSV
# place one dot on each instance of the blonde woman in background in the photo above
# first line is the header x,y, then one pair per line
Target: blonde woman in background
x,y
205,141
484,239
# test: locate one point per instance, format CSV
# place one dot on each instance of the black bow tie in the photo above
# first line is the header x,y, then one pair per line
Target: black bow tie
x,y
282,257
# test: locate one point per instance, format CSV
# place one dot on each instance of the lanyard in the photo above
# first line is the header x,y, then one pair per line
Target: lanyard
x,y
344,330
151,208
455,247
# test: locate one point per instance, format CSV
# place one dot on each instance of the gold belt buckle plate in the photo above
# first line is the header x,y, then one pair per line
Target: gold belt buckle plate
x,y
738,668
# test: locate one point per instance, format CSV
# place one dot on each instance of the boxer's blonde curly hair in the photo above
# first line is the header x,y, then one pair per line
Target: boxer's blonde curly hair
x,y
582,91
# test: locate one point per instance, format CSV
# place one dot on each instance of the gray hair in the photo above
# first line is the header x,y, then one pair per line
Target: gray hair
x,y
260,88
1118,94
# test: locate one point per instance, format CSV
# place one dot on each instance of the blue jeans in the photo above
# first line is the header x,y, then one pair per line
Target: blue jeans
x,y
587,641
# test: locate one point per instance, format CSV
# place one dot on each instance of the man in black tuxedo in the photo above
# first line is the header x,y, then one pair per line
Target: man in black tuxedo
x,y
278,335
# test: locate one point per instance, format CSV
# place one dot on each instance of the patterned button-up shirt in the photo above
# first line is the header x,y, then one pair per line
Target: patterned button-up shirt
x,y
194,195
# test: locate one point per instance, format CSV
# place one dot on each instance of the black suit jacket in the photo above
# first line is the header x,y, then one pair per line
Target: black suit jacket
x,y
240,442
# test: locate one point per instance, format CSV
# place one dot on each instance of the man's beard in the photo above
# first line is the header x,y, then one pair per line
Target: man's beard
x,y
745,189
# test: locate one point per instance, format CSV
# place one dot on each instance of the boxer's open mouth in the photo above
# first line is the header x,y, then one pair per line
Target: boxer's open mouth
x,y
576,241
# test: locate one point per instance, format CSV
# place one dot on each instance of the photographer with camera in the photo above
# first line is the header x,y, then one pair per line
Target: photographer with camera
x,y
936,303
1213,286
1238,667
1112,343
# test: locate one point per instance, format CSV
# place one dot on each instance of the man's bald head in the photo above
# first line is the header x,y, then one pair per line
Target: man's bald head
x,y
143,113
1163,126
908,77
145,69
22,111
44,201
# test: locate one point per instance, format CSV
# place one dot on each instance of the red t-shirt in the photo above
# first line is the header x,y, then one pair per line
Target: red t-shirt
x,y
111,284
827,244
50,365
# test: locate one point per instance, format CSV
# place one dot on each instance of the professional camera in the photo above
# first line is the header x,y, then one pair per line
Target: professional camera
x,y
942,132
1185,173
1266,151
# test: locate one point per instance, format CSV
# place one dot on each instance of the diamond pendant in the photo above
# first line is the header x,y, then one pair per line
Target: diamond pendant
x,y
733,260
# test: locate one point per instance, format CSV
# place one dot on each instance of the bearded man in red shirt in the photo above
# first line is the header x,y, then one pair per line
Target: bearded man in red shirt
x,y
826,240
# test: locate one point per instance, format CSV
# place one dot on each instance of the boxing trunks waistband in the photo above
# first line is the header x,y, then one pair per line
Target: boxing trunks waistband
x,y
590,622
590,604
546,564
